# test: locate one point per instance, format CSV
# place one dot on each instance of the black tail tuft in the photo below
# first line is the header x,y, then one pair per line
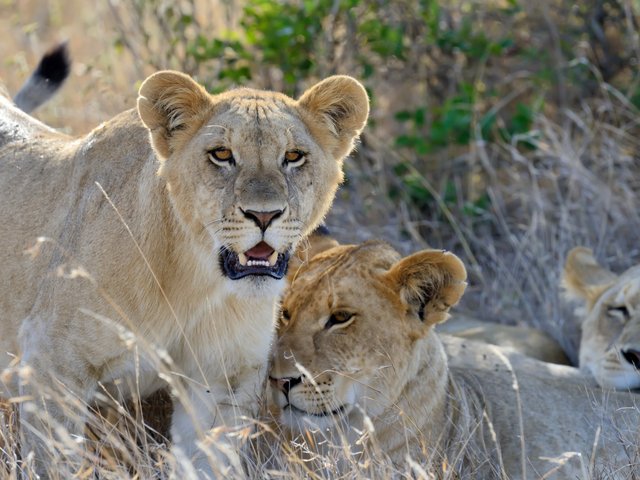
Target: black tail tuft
x,y
55,65
48,77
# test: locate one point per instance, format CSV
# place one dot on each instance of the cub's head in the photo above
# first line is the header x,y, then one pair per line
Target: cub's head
x,y
350,327
610,314
249,172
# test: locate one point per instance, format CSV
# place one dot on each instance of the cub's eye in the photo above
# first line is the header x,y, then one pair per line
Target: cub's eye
x,y
621,312
293,158
340,319
221,156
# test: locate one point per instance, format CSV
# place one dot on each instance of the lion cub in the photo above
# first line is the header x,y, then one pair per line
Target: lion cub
x,y
357,360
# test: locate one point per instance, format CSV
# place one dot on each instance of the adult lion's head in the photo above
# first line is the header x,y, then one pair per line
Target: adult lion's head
x,y
350,326
251,172
610,315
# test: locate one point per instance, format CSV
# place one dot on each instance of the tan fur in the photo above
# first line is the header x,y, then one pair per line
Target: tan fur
x,y
609,312
317,242
130,233
526,340
474,415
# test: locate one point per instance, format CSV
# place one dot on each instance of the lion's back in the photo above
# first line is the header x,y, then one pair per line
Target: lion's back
x,y
556,418
51,202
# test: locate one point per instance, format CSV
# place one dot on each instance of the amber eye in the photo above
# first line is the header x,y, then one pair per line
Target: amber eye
x,y
221,156
339,318
294,158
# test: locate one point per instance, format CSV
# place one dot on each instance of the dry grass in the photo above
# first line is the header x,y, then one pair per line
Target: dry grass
x,y
122,442
581,185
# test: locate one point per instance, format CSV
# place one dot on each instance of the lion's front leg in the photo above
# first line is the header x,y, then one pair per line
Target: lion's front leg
x,y
210,425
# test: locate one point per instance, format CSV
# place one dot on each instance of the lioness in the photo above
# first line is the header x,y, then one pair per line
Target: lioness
x,y
356,336
609,313
173,223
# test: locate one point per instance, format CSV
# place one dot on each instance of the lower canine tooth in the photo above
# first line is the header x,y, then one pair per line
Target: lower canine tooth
x,y
242,258
273,258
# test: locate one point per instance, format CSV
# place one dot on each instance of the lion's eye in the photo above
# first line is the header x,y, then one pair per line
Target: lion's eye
x,y
294,158
341,319
621,312
221,156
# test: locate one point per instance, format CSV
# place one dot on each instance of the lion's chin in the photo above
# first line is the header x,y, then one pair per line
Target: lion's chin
x,y
236,266
298,419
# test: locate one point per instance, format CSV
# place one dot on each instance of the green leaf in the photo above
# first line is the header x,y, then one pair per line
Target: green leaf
x,y
403,116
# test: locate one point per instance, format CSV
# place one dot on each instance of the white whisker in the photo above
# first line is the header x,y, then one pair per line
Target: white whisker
x,y
217,126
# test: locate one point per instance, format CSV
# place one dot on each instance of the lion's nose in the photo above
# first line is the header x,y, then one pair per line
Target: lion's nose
x,y
632,356
262,219
285,384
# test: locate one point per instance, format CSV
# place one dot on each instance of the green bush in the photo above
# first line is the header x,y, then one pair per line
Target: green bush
x,y
454,52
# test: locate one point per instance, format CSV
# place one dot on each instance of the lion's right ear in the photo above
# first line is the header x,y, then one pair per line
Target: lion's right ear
x,y
583,277
430,282
172,106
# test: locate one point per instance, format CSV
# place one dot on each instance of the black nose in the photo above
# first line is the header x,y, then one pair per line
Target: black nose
x,y
632,356
262,219
285,384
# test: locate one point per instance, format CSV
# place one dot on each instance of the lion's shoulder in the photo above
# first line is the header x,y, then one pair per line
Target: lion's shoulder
x,y
109,153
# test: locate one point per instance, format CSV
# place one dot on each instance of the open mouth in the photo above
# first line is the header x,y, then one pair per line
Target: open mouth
x,y
259,260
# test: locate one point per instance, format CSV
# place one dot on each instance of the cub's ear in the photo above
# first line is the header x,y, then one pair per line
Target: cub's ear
x,y
430,282
172,106
339,105
583,277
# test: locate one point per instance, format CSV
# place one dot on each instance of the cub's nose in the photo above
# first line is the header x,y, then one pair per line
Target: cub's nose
x,y
632,356
285,384
262,219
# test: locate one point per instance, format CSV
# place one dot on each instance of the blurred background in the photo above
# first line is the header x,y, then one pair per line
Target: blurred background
x,y
503,130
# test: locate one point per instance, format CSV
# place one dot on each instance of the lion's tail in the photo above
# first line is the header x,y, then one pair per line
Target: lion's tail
x,y
48,77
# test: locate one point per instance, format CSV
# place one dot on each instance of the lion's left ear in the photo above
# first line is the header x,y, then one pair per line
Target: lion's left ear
x,y
341,105
583,278
430,282
172,106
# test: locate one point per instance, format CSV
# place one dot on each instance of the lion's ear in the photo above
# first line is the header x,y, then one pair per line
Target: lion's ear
x,y
430,282
583,277
172,106
341,106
